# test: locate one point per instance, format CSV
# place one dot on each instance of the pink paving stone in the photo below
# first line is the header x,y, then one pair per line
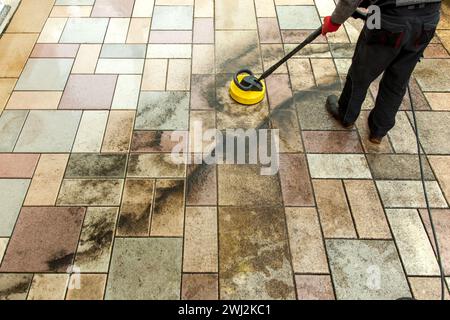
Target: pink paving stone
x,y
201,185
53,50
89,92
295,181
44,239
332,142
435,50
112,8
441,219
203,30
170,36
278,89
314,287
18,165
268,30
155,141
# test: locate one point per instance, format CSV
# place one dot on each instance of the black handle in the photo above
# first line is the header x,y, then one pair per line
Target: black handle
x,y
358,14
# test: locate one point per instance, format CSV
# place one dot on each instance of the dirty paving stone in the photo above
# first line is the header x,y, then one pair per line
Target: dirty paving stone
x,y
96,166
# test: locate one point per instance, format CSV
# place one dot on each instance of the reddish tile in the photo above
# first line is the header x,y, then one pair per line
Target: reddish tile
x,y
201,185
332,142
112,8
203,92
200,287
44,239
89,92
203,30
297,36
295,181
427,288
155,141
435,50
170,36
268,30
441,220
278,89
18,165
53,50
314,287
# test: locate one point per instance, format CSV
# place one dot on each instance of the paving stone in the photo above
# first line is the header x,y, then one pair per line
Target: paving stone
x,y
117,30
89,192
47,179
200,287
48,287
440,166
94,248
179,75
244,185
163,111
6,89
135,212
203,30
168,213
18,165
429,76
118,131
34,100
22,21
366,270
268,30
90,287
155,74
3,245
201,185
89,92
71,11
398,167
48,131
438,100
254,265
409,194
286,121
305,239
332,142
335,215
15,49
170,36
235,14
139,30
45,74
172,17
90,132
132,51
44,239
11,123
426,288
314,287
402,136
271,54
14,286
156,141
84,30
52,31
86,60
120,66
335,166
203,92
169,51
289,17
434,131
112,8
412,242
367,210
52,50
12,194
325,73
146,268
203,59
96,166
200,240
127,91
156,165
295,180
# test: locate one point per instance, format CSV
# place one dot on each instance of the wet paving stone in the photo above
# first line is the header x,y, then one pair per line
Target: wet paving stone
x,y
200,287
96,166
254,265
145,269
44,239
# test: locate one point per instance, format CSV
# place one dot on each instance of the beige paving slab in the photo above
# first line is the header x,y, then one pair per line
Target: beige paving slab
x,y
86,60
34,100
52,30
117,31
203,9
118,131
48,287
179,75
14,52
139,30
90,132
71,11
6,88
155,74
38,9
235,15
203,59
342,166
441,166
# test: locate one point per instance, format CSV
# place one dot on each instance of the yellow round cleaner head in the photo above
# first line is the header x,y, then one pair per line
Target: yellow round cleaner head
x,y
246,89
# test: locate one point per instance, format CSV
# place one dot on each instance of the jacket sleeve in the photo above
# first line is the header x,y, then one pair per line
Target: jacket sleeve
x,y
344,9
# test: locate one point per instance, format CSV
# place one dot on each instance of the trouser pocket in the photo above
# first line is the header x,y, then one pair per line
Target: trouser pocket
x,y
390,33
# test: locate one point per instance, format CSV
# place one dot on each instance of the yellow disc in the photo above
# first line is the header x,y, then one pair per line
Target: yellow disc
x,y
246,97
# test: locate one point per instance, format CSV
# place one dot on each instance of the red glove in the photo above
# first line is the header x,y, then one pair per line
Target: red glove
x,y
329,26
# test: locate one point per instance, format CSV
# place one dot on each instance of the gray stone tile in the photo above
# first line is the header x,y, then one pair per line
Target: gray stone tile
x,y
397,167
298,17
146,269
172,17
12,194
409,194
45,74
338,166
84,30
412,242
11,123
163,111
89,192
96,165
434,131
366,270
430,76
254,265
14,286
135,51
48,131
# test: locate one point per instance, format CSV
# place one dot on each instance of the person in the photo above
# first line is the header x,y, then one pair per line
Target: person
x,y
406,28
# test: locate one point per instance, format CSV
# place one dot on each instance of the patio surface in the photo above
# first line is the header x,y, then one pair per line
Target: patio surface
x,y
93,207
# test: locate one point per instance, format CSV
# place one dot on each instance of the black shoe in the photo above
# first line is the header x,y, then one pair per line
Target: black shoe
x,y
332,106
374,139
